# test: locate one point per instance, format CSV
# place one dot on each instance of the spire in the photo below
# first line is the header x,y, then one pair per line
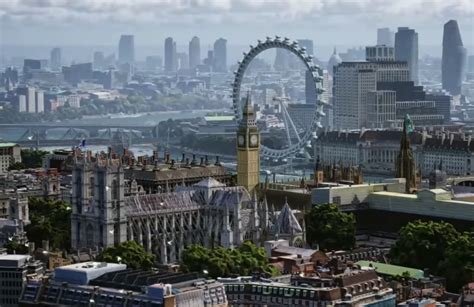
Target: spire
x,y
287,223
248,108
335,51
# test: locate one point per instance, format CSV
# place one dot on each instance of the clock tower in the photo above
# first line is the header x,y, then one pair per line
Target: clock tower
x,y
248,149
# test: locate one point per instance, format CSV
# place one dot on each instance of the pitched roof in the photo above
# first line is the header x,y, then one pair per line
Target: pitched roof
x,y
287,223
209,182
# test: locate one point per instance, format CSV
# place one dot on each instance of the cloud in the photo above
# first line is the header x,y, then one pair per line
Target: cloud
x,y
217,11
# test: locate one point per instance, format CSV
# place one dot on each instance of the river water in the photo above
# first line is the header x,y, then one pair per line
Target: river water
x,y
143,119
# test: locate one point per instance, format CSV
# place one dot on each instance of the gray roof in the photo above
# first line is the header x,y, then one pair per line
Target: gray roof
x,y
286,221
209,182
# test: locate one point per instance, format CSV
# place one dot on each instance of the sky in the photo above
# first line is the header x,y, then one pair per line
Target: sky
x,y
327,22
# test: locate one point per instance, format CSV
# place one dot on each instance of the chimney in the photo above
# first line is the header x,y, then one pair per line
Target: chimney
x,y
172,164
217,161
207,160
451,138
187,162
194,162
167,161
183,158
155,155
202,162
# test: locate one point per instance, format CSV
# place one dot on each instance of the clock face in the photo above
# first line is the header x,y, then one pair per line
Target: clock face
x,y
253,140
241,140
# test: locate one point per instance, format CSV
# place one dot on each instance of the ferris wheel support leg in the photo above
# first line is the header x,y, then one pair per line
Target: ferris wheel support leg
x,y
292,125
287,128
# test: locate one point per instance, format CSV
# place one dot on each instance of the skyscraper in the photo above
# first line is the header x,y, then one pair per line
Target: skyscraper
x,y
194,52
385,37
220,55
126,50
454,58
55,59
99,60
171,61
406,50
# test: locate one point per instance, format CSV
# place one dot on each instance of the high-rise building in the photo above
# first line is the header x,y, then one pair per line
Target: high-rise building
x,y
98,61
381,107
470,64
454,58
171,61
379,53
354,81
248,149
78,72
39,101
126,49
220,55
55,59
385,37
30,65
406,50
194,52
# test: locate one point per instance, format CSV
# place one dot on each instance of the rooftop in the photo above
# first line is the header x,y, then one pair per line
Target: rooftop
x,y
390,269
3,145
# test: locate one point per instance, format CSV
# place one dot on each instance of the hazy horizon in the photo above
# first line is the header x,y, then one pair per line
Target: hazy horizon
x,y
344,23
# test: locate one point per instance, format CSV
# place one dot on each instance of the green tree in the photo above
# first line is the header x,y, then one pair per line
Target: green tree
x,y
330,228
423,244
130,253
16,166
224,262
32,158
50,220
458,263
439,247
15,247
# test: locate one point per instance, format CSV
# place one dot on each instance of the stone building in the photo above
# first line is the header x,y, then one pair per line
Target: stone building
x,y
105,212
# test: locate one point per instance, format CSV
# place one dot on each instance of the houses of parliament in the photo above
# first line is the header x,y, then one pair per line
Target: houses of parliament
x,y
190,207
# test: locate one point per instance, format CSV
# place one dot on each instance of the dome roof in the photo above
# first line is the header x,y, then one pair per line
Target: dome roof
x,y
334,60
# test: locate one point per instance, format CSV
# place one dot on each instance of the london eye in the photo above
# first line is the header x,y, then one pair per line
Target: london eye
x,y
297,138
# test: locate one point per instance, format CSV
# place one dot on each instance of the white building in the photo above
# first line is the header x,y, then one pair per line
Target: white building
x,y
353,81
22,103
381,107
13,271
39,101
10,153
31,95
376,150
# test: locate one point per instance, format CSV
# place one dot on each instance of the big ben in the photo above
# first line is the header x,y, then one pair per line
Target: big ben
x,y
248,149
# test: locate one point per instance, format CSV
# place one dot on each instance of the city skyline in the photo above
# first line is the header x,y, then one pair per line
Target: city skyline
x,y
325,22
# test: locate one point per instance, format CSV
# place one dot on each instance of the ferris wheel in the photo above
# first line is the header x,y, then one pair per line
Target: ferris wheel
x,y
297,139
